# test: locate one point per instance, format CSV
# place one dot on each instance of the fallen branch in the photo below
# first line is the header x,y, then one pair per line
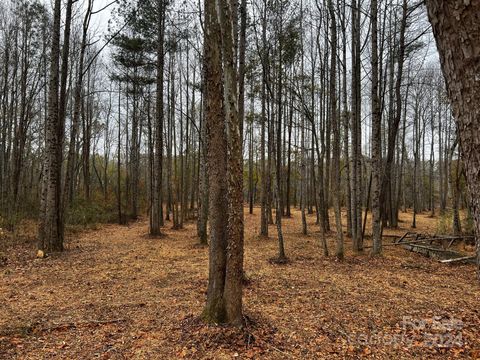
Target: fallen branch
x,y
446,238
461,259
436,253
428,248
401,243
407,234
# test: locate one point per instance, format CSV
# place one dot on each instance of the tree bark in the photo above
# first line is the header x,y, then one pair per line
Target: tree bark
x,y
224,295
265,180
457,34
356,168
386,193
68,187
50,232
234,269
156,214
339,253
203,175
376,136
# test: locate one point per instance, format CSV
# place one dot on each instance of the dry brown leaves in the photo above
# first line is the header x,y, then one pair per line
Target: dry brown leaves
x,y
116,293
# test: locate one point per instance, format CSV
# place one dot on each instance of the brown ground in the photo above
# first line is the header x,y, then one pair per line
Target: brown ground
x,y
116,293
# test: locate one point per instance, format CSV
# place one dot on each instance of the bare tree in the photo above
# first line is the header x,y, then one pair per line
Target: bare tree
x,y
50,231
156,213
376,135
336,131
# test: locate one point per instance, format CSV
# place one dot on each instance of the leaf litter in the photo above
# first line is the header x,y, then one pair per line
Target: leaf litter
x,y
115,293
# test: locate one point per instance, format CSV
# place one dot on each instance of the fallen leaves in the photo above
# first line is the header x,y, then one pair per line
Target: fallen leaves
x,y
116,293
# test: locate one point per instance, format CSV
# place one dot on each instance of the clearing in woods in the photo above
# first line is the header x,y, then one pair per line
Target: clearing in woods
x,y
116,293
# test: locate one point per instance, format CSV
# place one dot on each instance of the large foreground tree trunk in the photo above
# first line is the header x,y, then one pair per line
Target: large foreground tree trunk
x,y
216,167
234,271
224,296
457,33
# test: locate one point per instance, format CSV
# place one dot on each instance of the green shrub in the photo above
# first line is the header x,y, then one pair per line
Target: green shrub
x,y
88,213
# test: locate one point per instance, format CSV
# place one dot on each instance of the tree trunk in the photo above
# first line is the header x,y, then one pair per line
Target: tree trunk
x,y
203,175
68,187
455,25
336,132
376,136
278,162
356,168
156,214
119,161
231,81
50,232
386,193
264,194
224,296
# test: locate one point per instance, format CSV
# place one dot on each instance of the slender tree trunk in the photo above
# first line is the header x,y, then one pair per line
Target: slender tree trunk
x,y
278,162
346,117
432,164
68,188
50,232
156,215
376,136
303,165
264,194
385,195
336,132
250,154
119,161
203,174
356,168
289,163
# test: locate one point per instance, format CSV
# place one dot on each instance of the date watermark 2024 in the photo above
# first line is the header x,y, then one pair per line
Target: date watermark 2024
x,y
433,332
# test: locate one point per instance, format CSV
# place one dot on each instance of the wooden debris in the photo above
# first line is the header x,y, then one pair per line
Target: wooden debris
x,y
403,237
435,252
418,243
402,243
469,259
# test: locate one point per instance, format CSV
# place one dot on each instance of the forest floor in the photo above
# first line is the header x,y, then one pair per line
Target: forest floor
x,y
117,293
